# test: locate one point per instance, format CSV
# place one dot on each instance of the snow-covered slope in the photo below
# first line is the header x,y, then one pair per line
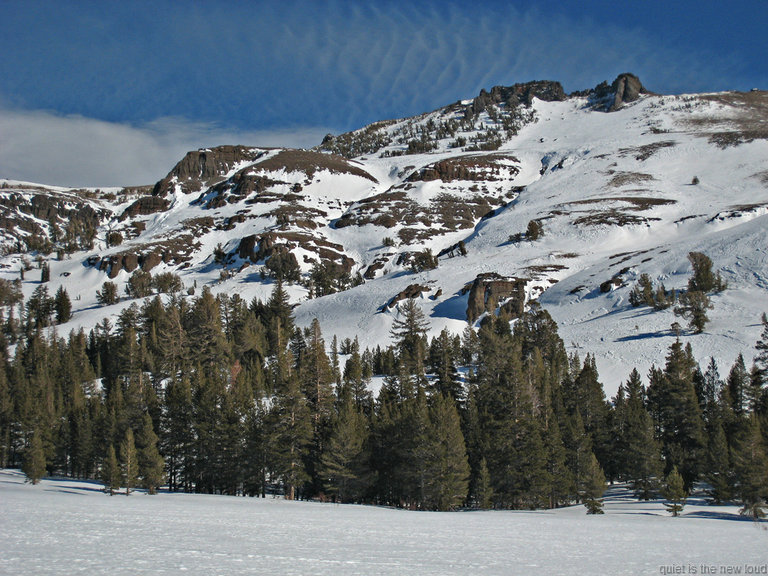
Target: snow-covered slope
x,y
618,194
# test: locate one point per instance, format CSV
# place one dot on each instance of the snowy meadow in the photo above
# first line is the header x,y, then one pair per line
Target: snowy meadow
x,y
64,526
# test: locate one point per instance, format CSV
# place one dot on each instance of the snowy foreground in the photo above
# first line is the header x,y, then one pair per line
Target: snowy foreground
x,y
69,527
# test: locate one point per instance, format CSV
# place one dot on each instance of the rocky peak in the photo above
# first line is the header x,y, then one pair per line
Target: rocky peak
x,y
625,88
513,96
205,167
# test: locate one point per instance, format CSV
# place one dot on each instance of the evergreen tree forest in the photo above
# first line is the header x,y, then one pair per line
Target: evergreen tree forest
x,y
213,394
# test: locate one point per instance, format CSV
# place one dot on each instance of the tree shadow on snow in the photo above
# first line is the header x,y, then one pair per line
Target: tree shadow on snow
x,y
645,336
65,485
719,515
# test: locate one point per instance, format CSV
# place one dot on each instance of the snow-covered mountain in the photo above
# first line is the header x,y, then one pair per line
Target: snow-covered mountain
x,y
620,182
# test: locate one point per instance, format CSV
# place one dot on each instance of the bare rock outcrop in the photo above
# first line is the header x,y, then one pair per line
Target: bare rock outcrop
x,y
145,206
490,289
626,88
412,291
513,96
204,167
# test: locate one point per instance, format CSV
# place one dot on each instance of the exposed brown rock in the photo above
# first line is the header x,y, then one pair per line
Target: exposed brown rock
x,y
309,162
412,291
484,168
378,264
247,246
518,94
205,167
130,262
488,290
626,88
149,261
260,247
145,206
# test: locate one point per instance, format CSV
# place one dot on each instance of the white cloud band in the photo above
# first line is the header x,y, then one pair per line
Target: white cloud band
x,y
42,147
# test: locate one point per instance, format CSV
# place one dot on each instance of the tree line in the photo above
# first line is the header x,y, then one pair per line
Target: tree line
x,y
214,394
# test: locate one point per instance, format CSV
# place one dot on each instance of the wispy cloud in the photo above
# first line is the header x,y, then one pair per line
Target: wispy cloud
x,y
46,148
340,63
261,67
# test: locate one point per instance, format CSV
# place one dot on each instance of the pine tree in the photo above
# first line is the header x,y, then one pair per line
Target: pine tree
x,y
711,391
443,366
108,294
110,471
447,468
559,475
316,376
129,461
355,382
408,332
173,345
681,427
151,463
703,279
6,416
385,445
276,316
643,454
62,306
719,472
591,403
40,308
83,440
738,383
344,462
34,459
207,398
693,306
674,492
290,430
483,488
593,486
761,358
178,435
206,334
751,465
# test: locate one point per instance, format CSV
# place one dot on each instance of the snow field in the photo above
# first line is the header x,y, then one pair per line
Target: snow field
x,y
63,526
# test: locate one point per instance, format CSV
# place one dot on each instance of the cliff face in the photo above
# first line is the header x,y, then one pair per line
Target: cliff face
x,y
490,291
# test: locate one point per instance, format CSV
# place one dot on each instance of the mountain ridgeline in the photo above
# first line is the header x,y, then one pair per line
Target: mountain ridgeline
x,y
486,272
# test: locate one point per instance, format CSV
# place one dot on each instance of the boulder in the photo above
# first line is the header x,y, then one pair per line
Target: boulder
x,y
412,291
247,246
130,261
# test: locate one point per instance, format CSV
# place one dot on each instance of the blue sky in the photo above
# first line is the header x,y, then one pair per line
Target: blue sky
x,y
113,93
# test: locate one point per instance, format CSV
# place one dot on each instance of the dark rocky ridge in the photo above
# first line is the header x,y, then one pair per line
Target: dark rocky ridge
x,y
517,94
205,167
310,161
470,168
